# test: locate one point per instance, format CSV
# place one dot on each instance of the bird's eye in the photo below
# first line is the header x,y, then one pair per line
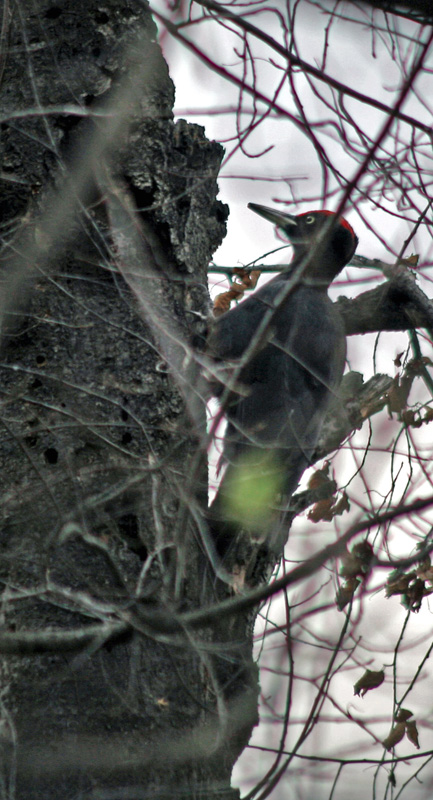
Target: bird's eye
x,y
309,220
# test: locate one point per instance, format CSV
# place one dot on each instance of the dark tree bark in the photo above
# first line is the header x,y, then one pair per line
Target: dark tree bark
x,y
100,447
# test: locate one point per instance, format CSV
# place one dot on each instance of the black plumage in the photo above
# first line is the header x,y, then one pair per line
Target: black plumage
x,y
282,392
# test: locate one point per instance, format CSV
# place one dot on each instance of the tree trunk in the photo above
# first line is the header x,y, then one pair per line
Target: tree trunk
x,y
102,436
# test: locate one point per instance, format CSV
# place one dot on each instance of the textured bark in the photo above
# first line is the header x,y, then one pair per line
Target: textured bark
x,y
397,305
100,464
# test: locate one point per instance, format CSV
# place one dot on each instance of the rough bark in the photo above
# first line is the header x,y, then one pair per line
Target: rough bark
x,y
397,305
99,457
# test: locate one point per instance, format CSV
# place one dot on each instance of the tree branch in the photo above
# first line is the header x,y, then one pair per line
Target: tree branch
x,y
397,305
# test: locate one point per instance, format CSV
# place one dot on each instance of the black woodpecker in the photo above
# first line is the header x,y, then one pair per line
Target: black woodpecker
x,y
278,399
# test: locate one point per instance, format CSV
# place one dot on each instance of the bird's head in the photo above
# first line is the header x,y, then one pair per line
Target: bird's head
x,y
325,239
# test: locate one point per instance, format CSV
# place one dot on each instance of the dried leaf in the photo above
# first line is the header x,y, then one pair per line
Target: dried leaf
x,y
398,582
425,571
363,551
410,420
319,476
412,598
345,593
412,733
341,505
395,736
221,304
428,416
396,398
248,280
357,561
411,261
403,715
398,395
370,680
322,510
327,509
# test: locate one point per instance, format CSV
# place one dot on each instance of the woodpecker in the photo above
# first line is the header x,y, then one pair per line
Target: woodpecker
x,y
277,403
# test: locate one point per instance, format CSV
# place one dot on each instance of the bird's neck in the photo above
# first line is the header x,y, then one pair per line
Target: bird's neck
x,y
319,272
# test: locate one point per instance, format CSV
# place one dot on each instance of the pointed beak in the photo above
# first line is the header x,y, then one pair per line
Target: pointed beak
x,y
274,216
